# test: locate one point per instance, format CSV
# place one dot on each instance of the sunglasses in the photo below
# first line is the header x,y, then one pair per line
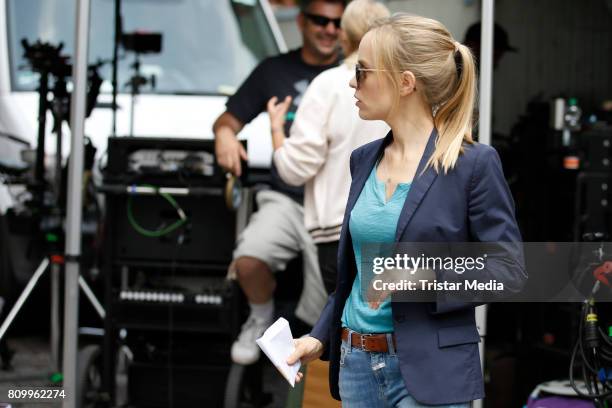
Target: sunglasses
x,y
322,21
360,73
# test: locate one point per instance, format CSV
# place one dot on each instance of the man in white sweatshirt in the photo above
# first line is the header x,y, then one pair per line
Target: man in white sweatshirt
x,y
326,129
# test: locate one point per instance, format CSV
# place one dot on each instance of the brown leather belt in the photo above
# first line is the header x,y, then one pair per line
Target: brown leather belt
x,y
376,343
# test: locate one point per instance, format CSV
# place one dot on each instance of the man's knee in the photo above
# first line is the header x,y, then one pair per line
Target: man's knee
x,y
250,267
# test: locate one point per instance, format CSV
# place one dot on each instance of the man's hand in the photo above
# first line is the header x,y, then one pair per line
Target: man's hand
x,y
228,150
307,349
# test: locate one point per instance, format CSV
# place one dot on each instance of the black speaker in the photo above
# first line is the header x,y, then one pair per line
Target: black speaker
x,y
209,234
593,212
597,149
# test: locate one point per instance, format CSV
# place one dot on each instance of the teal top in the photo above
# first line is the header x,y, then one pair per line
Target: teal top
x,y
373,220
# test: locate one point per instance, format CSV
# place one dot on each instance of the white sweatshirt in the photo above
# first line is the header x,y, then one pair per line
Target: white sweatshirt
x,y
325,131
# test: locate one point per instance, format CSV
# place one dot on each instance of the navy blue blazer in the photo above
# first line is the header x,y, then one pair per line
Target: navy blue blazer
x,y
437,343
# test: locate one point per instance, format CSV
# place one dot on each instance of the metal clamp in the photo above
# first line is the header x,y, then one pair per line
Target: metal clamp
x,y
363,340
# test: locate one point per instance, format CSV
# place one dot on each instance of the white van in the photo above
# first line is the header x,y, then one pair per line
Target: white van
x,y
208,48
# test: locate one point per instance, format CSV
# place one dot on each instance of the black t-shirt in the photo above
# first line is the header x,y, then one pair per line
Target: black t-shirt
x,y
281,75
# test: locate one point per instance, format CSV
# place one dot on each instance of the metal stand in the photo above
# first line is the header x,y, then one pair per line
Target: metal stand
x,y
55,306
75,204
481,325
55,318
484,133
136,82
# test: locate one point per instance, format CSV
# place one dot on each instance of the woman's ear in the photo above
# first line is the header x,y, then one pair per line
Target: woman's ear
x,y
407,83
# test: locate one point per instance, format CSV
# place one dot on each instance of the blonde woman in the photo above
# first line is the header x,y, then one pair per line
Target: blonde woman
x,y
426,181
326,129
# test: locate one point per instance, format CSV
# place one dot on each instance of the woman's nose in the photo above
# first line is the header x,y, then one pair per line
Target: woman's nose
x,y
353,82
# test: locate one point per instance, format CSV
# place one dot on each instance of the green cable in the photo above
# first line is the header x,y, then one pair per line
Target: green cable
x,y
160,232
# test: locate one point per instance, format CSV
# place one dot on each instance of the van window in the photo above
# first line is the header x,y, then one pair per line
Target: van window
x,y
208,46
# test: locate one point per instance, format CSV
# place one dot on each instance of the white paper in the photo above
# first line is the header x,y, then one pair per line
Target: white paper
x,y
277,344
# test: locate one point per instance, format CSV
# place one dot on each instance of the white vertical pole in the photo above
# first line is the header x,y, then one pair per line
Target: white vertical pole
x,y
486,70
74,204
487,22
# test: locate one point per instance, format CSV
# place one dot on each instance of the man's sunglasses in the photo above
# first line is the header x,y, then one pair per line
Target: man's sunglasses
x,y
322,21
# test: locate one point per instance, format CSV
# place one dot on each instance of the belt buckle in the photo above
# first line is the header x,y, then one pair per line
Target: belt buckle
x,y
363,339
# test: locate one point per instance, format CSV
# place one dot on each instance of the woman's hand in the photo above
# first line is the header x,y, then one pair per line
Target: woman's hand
x,y
277,113
374,297
306,350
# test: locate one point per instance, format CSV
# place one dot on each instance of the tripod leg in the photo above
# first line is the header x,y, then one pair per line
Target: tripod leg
x,y
23,297
92,297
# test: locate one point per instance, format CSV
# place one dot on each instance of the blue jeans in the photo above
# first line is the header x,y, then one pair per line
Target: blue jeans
x,y
374,380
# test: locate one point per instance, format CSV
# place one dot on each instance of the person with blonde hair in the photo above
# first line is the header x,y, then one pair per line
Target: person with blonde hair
x,y
326,129
427,181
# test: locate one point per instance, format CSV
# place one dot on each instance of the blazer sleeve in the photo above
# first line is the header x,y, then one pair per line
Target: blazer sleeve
x,y
490,206
491,219
324,325
321,329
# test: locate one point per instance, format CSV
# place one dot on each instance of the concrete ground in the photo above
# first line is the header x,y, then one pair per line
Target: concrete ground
x,y
32,369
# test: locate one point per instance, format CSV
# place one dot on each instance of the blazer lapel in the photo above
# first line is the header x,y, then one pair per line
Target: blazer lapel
x,y
361,172
419,187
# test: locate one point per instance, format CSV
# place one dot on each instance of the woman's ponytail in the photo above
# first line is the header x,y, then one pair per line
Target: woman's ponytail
x,y
454,119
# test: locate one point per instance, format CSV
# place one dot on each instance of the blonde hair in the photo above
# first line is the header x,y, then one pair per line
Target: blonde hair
x,y
445,73
357,19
